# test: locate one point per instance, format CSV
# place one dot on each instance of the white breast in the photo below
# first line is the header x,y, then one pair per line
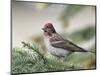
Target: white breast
x,y
55,51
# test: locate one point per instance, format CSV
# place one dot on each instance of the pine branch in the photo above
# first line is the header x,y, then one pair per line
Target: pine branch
x,y
37,51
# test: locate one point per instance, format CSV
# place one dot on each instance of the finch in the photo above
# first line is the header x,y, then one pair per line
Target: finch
x,y
56,44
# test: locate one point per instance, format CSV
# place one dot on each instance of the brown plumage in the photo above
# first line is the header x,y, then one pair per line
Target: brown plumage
x,y
56,44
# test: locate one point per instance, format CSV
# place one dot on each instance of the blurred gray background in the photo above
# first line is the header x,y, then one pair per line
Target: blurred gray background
x,y
28,18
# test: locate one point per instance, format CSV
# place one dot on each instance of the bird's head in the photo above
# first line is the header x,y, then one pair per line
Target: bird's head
x,y
48,29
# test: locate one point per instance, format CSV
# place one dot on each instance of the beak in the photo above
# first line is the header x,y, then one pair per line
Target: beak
x,y
43,29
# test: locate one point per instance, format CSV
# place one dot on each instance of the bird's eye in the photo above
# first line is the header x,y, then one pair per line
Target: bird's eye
x,y
45,31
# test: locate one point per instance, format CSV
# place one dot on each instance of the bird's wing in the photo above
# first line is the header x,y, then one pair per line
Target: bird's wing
x,y
67,45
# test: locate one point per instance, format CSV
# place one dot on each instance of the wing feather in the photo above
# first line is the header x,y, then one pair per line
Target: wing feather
x,y
59,42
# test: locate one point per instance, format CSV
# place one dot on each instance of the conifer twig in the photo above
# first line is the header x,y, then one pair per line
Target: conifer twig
x,y
30,47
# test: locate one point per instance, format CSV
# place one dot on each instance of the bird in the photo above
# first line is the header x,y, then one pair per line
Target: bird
x,y
56,45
